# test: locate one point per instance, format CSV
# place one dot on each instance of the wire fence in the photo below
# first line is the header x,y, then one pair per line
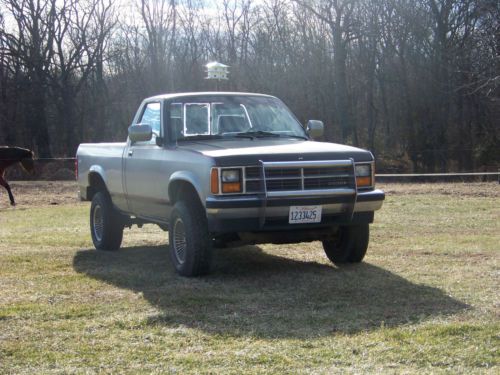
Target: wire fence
x,y
439,177
46,169
63,168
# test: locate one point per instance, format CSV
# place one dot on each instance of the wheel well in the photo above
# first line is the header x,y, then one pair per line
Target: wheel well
x,y
182,190
96,184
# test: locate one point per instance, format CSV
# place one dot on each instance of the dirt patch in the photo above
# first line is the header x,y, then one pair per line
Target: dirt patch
x,y
39,193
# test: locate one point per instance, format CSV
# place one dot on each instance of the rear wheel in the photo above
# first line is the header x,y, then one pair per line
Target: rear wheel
x,y
349,246
106,225
190,246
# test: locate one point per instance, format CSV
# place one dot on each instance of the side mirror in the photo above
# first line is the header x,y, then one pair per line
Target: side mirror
x,y
140,133
315,128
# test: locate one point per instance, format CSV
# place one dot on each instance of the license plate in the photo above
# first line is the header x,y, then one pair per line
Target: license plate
x,y
304,214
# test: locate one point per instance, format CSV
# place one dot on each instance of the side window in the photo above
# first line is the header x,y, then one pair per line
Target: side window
x,y
152,117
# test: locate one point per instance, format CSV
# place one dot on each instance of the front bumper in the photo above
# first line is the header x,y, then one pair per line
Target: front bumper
x,y
257,213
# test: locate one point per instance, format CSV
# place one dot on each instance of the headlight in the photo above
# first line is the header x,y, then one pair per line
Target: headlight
x,y
231,181
231,175
363,170
364,175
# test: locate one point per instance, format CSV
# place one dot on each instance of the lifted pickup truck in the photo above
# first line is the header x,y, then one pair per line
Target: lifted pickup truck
x,y
224,169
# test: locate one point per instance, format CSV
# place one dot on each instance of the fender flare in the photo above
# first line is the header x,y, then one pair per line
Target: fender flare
x,y
188,177
98,171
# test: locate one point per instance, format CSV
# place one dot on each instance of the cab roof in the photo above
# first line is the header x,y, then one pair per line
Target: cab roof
x,y
204,93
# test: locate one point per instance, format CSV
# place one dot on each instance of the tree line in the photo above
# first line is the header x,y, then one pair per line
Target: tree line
x,y
415,81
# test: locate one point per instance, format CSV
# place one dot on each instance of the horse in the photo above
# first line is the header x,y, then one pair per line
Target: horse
x,y
10,156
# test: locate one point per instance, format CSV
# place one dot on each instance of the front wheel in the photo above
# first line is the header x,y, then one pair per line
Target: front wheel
x,y
190,246
106,225
349,246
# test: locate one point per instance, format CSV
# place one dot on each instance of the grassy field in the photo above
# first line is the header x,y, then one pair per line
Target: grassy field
x,y
425,300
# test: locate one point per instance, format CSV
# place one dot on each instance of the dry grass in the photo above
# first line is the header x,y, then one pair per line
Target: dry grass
x,y
425,299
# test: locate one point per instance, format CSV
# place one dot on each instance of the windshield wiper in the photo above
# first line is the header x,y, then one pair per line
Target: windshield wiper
x,y
198,137
258,134
262,134
240,135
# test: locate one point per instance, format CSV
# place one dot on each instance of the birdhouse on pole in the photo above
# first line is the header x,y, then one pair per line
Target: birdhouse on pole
x,y
216,70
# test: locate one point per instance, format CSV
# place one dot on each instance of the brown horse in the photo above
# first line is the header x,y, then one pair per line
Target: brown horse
x,y
10,156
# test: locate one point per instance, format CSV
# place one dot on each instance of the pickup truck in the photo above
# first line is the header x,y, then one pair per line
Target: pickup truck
x,y
221,169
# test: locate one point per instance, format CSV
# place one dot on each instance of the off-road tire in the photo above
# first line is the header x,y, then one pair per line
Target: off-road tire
x,y
189,242
350,245
106,225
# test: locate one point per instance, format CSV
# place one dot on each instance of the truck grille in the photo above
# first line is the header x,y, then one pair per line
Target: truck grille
x,y
339,175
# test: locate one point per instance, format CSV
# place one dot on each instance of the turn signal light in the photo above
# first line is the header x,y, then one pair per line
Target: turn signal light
x,y
214,181
363,181
231,187
364,176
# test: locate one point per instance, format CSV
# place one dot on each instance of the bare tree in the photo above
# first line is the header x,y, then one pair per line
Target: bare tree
x,y
81,30
160,21
340,16
31,44
414,80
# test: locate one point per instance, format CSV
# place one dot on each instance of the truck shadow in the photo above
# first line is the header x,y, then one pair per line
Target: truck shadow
x,y
254,293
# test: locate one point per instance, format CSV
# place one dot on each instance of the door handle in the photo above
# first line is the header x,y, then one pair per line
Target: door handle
x,y
130,152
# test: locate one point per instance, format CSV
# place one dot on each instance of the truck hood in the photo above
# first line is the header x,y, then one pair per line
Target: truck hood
x,y
247,151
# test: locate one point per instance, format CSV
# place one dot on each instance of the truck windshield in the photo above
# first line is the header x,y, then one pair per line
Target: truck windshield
x,y
232,116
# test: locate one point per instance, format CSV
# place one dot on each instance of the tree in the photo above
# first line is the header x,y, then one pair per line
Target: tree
x,y
340,16
30,47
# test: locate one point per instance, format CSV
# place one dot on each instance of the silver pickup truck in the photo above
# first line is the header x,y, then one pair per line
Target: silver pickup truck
x,y
224,169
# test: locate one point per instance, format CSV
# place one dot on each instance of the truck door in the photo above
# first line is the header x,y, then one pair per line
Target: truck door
x,y
145,184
